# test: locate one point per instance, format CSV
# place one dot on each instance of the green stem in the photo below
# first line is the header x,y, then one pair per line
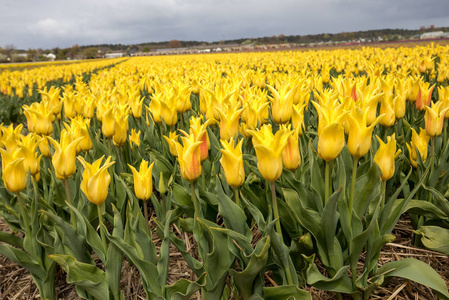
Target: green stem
x,y
444,133
384,188
69,201
194,200
24,216
237,198
145,213
326,182
103,238
432,160
351,193
164,205
278,228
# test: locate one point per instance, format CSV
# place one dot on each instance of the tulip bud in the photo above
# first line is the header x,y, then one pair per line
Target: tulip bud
x,y
13,171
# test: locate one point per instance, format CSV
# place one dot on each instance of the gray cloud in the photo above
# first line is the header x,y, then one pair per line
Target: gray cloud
x,y
63,23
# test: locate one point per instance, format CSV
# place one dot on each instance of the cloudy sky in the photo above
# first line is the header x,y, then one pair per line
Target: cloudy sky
x,y
63,23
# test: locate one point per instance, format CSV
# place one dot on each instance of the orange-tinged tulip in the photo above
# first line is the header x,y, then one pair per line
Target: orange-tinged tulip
x,y
199,131
232,162
291,158
189,158
64,157
419,142
269,149
13,171
143,180
96,180
434,118
424,95
385,156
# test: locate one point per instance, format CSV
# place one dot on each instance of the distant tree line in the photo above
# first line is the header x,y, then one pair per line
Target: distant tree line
x,y
9,53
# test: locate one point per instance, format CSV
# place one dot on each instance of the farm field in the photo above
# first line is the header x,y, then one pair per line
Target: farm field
x,y
318,174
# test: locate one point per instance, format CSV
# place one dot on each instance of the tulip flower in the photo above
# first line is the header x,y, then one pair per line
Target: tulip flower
x,y
143,180
419,142
136,103
269,149
386,109
134,138
298,117
69,100
64,157
424,95
96,179
359,137
232,162
229,122
282,103
155,107
291,158
39,118
385,156
108,123
182,97
27,149
189,158
434,118
13,171
172,140
199,131
168,109
121,126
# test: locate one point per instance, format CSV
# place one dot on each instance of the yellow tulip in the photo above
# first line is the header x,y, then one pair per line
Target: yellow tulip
x,y
229,122
386,109
269,149
64,157
121,127
298,117
96,180
155,107
39,118
359,137
232,162
331,141
136,104
44,147
282,103
421,142
134,138
143,180
434,118
182,97
13,171
108,123
189,158
168,110
385,156
27,149
78,127
172,140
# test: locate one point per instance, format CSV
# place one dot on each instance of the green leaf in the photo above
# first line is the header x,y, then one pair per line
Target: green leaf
x,y
113,264
417,271
441,201
183,289
11,239
244,280
87,276
340,283
365,189
434,238
426,209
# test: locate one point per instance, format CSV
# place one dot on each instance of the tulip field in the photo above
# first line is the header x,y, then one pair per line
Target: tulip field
x,y
267,175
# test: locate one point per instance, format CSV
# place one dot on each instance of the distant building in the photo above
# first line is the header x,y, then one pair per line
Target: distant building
x,y
432,35
113,55
50,56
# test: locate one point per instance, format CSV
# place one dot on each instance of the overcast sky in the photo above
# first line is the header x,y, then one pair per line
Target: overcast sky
x,y
62,23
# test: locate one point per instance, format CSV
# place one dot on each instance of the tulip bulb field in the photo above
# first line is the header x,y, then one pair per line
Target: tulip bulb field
x,y
274,175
